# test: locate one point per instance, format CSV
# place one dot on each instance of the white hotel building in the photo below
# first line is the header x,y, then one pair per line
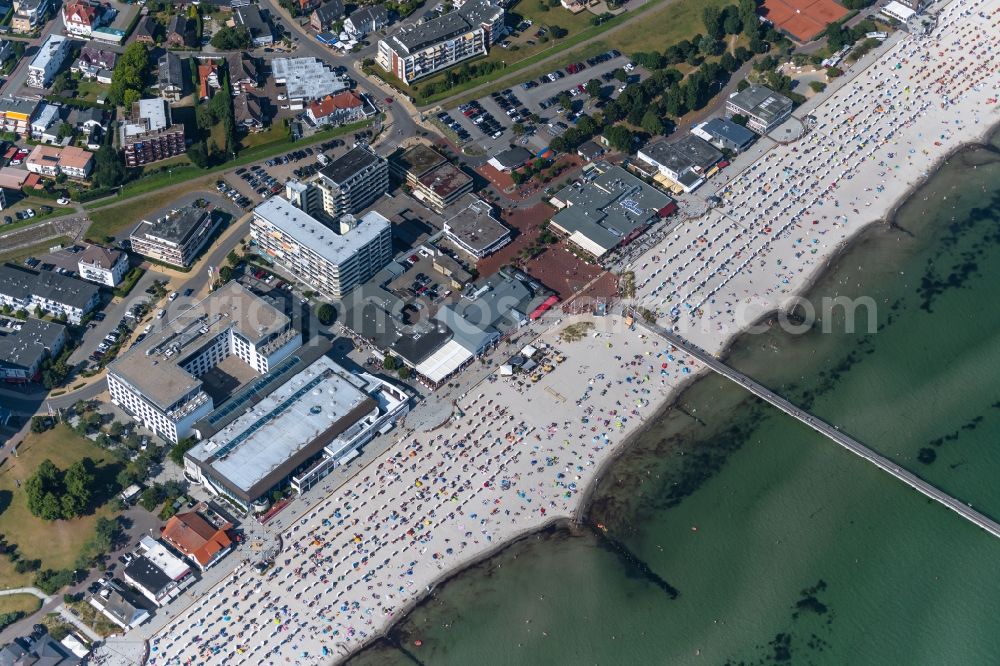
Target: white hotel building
x,y
159,380
330,262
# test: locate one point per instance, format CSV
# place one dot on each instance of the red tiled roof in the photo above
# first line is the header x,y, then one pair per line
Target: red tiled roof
x,y
79,12
345,100
194,536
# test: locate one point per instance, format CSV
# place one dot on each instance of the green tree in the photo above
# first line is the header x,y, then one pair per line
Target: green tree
x,y
728,62
233,258
711,17
109,171
43,489
621,75
231,39
225,274
620,138
594,88
651,123
78,482
817,86
404,372
325,313
389,362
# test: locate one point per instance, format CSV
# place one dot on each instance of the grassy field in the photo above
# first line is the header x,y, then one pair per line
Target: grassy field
x,y
55,543
663,22
276,133
26,603
90,90
37,248
664,26
112,219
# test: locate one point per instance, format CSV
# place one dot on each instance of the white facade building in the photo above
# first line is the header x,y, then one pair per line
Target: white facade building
x,y
50,57
158,381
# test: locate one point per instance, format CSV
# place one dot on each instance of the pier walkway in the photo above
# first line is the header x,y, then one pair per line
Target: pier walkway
x,y
824,428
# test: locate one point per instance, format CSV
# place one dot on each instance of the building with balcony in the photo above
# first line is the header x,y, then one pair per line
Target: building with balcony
x,y
24,289
352,182
150,134
102,265
763,108
158,381
330,261
177,237
50,57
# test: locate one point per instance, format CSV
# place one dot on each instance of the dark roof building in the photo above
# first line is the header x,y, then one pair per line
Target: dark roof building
x,y
763,108
607,208
724,134
475,228
324,16
685,162
510,159
25,344
21,288
250,18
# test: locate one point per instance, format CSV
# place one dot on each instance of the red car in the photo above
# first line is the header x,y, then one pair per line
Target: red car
x,y
389,100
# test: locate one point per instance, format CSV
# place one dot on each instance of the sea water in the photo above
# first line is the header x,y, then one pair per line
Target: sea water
x,y
731,533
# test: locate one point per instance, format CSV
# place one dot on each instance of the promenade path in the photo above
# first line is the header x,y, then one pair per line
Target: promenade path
x,y
830,431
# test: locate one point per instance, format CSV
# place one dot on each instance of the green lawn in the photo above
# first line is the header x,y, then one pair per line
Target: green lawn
x,y
664,26
277,133
25,603
38,248
112,219
90,90
56,543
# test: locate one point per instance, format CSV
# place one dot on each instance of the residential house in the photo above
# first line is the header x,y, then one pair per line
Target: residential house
x,y
103,265
170,77
243,72
306,6
113,604
51,161
208,79
95,63
81,17
28,15
180,32
24,346
342,108
21,288
247,112
145,31
157,573
250,18
16,115
324,16
365,21
6,50
45,124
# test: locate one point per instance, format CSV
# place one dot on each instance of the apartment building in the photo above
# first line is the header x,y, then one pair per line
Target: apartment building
x,y
331,261
23,289
763,108
150,134
158,381
102,265
50,57
352,182
177,237
16,115
423,49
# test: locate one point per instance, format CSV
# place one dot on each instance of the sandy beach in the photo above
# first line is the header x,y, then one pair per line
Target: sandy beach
x,y
519,454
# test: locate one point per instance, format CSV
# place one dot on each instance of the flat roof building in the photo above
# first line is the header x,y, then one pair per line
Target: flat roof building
x,y
684,162
332,263
474,227
724,134
296,434
159,382
177,237
763,108
23,289
424,48
157,573
307,79
432,178
47,61
352,182
150,134
607,208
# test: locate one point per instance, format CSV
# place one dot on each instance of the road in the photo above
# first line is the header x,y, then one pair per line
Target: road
x,y
830,431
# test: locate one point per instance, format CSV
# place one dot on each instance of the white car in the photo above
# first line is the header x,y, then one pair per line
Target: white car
x,y
282,97
62,201
173,295
160,313
15,162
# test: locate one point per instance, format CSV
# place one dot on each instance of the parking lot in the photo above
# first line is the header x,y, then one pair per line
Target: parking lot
x,y
487,121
